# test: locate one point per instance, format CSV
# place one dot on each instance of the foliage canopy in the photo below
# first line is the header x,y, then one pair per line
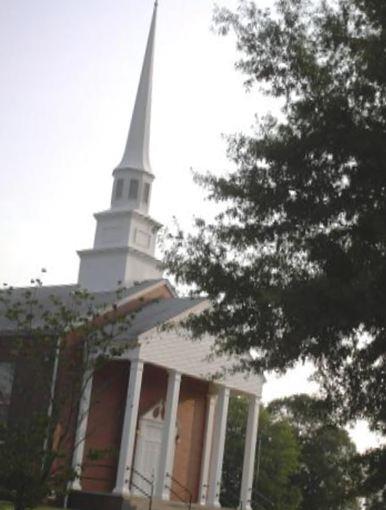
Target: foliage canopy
x,y
295,263
303,462
276,463
329,474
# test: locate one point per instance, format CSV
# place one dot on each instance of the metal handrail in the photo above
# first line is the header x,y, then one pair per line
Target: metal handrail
x,y
139,488
149,494
188,502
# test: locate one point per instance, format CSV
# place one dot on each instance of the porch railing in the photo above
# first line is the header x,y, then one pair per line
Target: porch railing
x,y
149,491
187,498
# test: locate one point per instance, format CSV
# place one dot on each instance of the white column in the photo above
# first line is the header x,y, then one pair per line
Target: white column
x,y
169,436
218,447
126,450
205,462
249,454
81,428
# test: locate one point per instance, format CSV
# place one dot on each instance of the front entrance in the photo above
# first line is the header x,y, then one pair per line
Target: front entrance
x,y
148,450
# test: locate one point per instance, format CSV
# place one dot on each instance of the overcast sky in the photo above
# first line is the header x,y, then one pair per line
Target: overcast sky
x,y
68,80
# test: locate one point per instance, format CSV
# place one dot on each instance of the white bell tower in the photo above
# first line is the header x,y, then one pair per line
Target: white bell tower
x,y
125,237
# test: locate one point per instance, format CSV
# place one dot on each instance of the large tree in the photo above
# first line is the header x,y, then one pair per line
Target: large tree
x,y
295,263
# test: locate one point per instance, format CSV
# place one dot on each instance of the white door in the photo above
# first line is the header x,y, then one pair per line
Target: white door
x,y
147,454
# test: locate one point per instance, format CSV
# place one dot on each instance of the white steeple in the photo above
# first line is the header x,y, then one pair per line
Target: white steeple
x,y
133,176
136,155
125,237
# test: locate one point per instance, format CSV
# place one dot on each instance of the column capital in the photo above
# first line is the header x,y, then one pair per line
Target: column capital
x,y
136,361
222,391
174,373
217,387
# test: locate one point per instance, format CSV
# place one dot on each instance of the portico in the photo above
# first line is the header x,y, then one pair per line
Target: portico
x,y
171,427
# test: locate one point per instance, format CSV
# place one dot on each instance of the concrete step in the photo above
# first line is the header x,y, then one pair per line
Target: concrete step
x,y
142,503
82,500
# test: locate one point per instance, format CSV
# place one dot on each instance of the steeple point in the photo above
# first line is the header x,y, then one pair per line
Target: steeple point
x,y
136,154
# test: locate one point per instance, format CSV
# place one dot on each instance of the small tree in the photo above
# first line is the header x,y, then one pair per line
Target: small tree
x,y
303,462
57,343
276,462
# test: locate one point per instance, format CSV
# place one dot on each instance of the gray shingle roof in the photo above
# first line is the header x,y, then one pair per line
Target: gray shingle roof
x,y
64,294
159,312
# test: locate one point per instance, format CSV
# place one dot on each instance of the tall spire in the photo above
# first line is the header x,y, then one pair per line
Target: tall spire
x,y
136,155
125,237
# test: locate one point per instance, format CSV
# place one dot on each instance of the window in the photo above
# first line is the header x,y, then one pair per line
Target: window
x,y
119,189
133,189
146,193
6,382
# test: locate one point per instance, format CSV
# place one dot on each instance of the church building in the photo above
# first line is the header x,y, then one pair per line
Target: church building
x,y
165,413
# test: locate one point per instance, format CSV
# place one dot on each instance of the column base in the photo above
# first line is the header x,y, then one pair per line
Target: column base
x,y
121,492
163,496
76,486
213,504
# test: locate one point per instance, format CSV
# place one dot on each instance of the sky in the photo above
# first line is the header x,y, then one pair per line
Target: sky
x,y
68,80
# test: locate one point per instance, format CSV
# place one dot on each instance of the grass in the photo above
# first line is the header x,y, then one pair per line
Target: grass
x,y
6,505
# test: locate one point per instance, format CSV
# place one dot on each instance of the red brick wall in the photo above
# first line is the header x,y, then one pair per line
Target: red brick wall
x,y
105,421
108,400
108,397
108,407
106,418
33,365
191,418
191,424
154,384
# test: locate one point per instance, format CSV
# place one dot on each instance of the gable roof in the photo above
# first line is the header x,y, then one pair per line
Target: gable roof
x,y
157,313
65,293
